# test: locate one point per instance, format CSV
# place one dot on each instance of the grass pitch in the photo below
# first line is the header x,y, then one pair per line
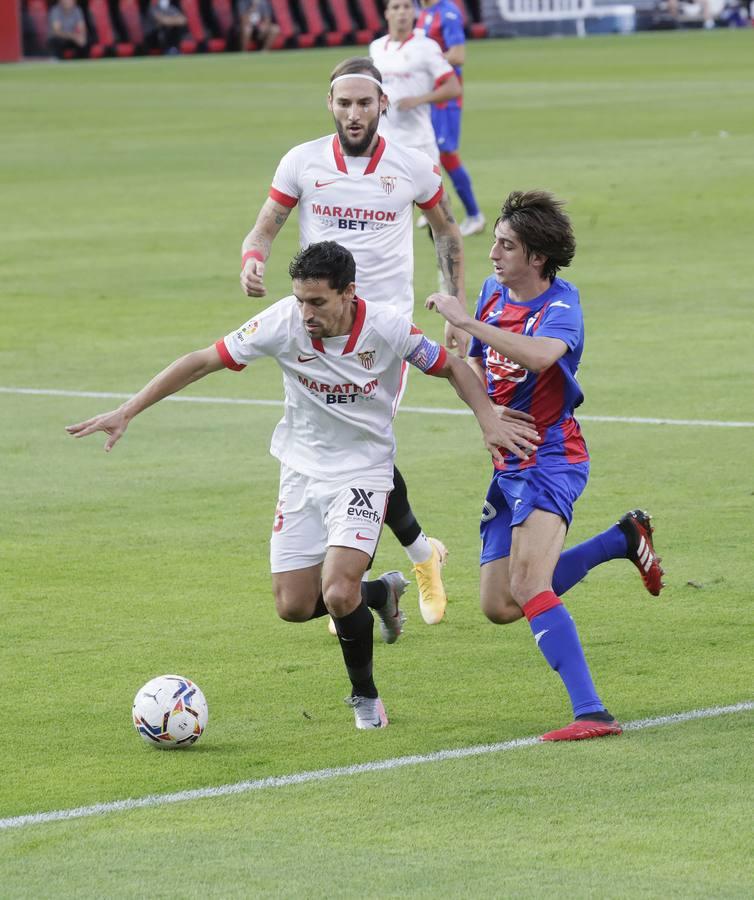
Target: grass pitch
x,y
126,190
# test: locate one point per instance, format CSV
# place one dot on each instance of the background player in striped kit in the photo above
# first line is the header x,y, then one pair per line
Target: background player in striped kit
x,y
359,189
335,444
442,21
528,336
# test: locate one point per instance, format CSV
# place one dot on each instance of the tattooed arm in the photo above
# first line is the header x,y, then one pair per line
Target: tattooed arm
x,y
272,216
449,249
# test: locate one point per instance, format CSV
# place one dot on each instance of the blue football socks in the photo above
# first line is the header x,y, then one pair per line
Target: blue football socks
x,y
558,641
462,183
574,564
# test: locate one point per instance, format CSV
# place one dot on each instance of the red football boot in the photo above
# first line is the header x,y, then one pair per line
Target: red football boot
x,y
583,729
637,527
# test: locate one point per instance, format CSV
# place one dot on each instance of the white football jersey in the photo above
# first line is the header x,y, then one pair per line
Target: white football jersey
x,y
364,203
340,392
409,68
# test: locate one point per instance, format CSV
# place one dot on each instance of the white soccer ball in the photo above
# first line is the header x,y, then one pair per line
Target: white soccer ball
x,y
170,711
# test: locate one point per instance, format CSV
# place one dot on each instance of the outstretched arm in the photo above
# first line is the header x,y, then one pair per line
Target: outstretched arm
x,y
177,375
449,249
516,436
257,245
532,352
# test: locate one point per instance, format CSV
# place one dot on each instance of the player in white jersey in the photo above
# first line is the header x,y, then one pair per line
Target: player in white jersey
x,y
341,361
415,74
358,188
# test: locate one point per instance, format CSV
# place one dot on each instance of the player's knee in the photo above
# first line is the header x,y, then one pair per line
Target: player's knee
x,y
450,161
342,596
291,608
525,584
500,608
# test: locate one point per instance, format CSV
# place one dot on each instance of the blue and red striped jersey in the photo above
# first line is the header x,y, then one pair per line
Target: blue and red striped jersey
x,y
443,22
551,395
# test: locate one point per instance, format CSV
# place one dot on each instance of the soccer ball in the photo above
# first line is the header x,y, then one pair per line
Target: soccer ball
x,y
170,711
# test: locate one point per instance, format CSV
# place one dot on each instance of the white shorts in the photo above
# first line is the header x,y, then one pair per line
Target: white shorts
x,y
313,515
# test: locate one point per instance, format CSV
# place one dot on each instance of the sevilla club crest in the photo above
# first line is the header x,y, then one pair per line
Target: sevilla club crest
x,y
388,183
367,358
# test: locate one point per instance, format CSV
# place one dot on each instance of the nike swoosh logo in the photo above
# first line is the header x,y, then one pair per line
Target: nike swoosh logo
x,y
305,358
362,537
319,184
539,635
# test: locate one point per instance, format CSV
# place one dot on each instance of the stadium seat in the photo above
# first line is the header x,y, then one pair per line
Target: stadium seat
x,y
316,32
224,21
36,11
288,32
130,18
199,40
107,42
370,16
344,23
473,28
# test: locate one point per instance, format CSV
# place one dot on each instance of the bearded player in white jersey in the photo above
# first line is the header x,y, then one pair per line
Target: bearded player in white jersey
x,y
342,361
359,189
415,74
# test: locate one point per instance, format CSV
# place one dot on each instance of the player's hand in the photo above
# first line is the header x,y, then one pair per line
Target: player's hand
x,y
113,423
449,307
407,103
456,339
506,413
517,437
252,278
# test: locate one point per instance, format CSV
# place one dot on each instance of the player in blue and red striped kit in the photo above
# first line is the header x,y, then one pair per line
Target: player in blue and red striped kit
x,y
527,340
442,21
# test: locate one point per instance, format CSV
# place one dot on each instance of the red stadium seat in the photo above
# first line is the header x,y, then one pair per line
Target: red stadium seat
x,y
130,17
473,29
371,15
107,43
199,39
37,13
225,20
281,10
345,24
315,26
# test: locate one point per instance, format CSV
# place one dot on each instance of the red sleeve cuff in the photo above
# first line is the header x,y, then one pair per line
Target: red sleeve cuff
x,y
433,201
443,78
227,359
282,199
251,254
439,362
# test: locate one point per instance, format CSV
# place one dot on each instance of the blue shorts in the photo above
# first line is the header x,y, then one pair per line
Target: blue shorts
x,y
513,496
446,123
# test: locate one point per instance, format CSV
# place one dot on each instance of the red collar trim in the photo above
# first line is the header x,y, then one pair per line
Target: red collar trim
x,y
338,154
409,38
376,156
340,160
358,324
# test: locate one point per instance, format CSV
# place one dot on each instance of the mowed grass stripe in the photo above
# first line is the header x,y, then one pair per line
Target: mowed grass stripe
x,y
243,787
422,410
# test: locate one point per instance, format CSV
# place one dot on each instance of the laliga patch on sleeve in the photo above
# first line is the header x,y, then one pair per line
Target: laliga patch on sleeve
x,y
425,355
247,330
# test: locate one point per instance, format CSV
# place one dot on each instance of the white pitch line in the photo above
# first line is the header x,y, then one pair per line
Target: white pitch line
x,y
260,784
422,410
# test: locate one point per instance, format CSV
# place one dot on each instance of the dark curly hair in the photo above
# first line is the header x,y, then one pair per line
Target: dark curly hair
x,y
325,260
542,227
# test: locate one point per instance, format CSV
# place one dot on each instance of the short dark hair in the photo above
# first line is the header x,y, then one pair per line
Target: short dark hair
x,y
326,260
542,227
357,65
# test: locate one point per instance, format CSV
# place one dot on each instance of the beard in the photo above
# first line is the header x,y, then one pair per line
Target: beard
x,y
356,148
